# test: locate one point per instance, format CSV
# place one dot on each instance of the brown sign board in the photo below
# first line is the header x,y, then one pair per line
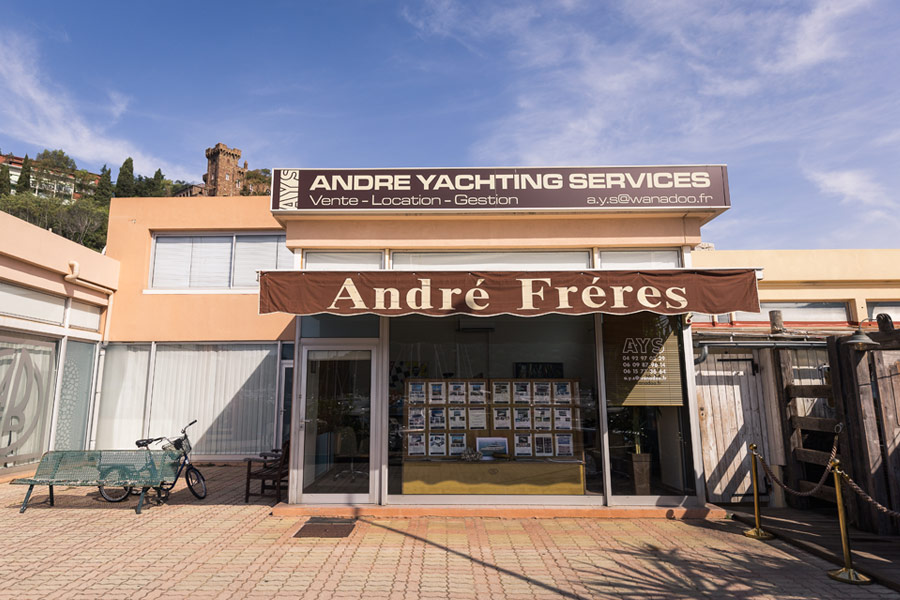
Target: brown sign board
x,y
521,293
325,191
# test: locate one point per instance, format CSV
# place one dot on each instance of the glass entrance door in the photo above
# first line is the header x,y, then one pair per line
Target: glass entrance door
x,y
336,425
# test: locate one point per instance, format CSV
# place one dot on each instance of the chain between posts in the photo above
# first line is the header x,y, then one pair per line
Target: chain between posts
x,y
818,486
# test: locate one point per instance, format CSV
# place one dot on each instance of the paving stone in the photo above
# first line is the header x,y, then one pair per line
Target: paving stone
x,y
222,548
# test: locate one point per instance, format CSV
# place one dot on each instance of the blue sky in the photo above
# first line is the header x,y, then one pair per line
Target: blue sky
x,y
799,98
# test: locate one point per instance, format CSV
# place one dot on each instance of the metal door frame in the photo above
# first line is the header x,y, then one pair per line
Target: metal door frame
x,y
376,433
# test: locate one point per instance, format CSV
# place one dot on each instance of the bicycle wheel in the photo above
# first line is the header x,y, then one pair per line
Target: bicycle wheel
x,y
196,482
114,494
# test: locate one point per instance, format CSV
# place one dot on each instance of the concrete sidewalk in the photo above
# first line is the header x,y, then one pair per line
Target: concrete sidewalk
x,y
222,548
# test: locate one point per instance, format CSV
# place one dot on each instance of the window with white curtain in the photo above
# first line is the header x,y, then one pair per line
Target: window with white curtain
x,y
639,259
231,389
542,260
84,316
120,416
342,261
217,261
811,312
30,304
892,309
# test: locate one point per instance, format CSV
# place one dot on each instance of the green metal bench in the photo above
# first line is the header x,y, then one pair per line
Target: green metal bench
x,y
109,468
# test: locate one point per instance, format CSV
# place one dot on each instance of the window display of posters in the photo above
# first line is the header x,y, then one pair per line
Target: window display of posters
x,y
436,392
477,392
501,418
542,392
543,444
522,392
564,444
416,444
437,444
457,444
489,446
478,418
562,392
522,418
543,418
562,418
500,392
523,444
457,418
417,392
437,418
457,393
416,418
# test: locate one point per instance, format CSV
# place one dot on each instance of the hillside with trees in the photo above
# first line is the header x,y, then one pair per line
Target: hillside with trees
x,y
80,212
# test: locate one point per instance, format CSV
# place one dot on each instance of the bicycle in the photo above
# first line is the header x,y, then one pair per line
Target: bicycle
x,y
180,447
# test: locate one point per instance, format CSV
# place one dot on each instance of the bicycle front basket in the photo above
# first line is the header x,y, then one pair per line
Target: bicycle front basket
x,y
185,446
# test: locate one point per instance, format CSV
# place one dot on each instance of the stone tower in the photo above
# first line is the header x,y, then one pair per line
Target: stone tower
x,y
223,175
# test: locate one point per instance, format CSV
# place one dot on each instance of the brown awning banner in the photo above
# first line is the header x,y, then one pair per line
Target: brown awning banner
x,y
520,293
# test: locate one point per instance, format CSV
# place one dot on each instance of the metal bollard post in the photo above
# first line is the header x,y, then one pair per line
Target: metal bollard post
x,y
757,532
847,573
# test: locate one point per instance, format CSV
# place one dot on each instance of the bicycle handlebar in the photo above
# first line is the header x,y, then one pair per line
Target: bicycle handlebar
x,y
188,425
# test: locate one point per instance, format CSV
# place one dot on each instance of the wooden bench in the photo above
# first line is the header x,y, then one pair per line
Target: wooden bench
x,y
108,468
272,468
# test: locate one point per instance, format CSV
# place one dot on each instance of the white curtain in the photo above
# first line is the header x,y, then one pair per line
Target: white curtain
x,y
229,388
172,262
27,376
560,260
84,316
31,304
799,311
121,413
211,261
639,259
890,308
342,261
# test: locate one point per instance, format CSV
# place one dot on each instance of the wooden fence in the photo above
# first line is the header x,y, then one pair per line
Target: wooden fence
x,y
867,387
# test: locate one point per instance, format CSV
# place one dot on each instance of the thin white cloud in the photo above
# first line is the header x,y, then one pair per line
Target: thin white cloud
x,y
585,97
118,104
854,187
40,113
814,37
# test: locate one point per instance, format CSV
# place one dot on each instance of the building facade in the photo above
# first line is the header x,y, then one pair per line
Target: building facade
x,y
394,405
54,295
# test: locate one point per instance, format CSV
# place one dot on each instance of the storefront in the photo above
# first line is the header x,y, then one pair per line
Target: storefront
x,y
482,336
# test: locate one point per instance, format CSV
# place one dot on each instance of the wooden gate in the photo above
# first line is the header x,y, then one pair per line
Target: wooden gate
x,y
731,386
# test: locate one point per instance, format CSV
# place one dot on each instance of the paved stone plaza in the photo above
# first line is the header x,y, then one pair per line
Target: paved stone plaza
x,y
222,548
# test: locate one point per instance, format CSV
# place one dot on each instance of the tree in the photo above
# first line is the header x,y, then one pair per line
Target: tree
x,y
43,212
104,190
125,180
23,185
5,186
55,159
256,182
158,186
84,221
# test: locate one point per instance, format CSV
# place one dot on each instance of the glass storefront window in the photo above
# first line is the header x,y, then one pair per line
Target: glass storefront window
x,y
75,397
649,430
334,326
504,405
